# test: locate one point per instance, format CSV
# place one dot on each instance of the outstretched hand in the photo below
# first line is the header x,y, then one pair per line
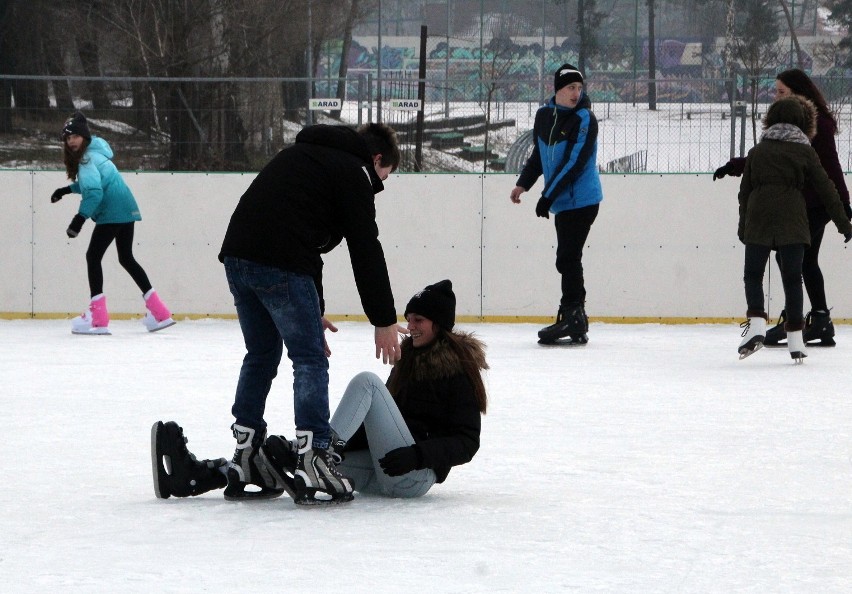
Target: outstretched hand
x,y
724,170
58,193
387,343
326,325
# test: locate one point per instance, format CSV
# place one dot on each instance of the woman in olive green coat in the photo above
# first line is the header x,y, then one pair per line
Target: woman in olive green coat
x,y
773,215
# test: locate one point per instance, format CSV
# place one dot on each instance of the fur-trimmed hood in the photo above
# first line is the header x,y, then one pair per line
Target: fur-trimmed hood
x,y
796,110
440,360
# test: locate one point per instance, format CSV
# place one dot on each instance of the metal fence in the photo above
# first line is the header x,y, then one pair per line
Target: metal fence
x,y
465,125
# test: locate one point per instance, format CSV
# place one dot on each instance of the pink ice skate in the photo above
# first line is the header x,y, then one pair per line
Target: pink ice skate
x,y
158,316
95,320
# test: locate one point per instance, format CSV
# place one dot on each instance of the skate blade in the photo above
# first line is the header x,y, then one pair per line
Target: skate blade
x,y
798,357
236,490
570,341
156,464
92,332
748,352
157,326
825,342
313,496
321,498
240,494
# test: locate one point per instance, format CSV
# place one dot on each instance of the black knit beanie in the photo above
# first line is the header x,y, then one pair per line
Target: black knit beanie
x,y
565,75
436,302
76,124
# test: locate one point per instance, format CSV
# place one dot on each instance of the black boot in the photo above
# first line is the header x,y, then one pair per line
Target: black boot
x,y
571,326
818,326
176,470
251,467
317,479
777,333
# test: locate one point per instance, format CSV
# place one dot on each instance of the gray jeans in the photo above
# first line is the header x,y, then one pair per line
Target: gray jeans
x,y
367,401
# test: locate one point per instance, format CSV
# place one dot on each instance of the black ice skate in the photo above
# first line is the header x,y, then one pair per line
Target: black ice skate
x,y
818,326
176,470
281,461
570,328
250,477
776,334
317,480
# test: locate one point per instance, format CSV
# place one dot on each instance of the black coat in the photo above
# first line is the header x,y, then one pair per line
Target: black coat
x,y
304,202
437,400
826,149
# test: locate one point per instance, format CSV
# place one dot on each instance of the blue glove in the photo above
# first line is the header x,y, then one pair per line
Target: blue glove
x,y
73,229
402,461
542,208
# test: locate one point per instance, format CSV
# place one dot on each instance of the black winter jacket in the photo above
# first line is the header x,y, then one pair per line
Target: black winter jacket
x,y
437,401
304,202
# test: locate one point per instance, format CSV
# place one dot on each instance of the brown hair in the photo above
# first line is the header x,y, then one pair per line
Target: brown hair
x,y
381,140
72,158
801,84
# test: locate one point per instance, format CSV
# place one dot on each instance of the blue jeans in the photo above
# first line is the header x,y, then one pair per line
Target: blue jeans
x,y
367,401
277,308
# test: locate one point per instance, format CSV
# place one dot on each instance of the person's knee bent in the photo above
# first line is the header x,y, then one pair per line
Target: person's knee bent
x,y
367,377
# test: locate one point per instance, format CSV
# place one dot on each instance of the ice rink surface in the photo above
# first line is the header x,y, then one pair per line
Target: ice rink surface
x,y
650,460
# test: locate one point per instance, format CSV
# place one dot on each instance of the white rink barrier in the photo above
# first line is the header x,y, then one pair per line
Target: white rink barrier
x,y
664,247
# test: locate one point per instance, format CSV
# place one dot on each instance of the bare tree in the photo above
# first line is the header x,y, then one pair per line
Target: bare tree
x,y
792,28
588,22
841,13
652,57
756,46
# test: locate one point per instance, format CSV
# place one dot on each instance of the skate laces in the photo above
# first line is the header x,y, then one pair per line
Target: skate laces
x,y
330,463
745,326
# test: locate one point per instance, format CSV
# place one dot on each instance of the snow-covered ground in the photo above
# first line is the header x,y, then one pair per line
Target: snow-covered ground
x,y
651,460
675,138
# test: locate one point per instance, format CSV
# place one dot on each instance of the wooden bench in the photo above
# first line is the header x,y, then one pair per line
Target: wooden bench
x,y
498,164
442,140
476,153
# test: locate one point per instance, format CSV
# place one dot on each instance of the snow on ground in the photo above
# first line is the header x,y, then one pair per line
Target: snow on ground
x,y
651,460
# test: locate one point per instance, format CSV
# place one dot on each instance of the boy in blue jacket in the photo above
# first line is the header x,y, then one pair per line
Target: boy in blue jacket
x,y
565,148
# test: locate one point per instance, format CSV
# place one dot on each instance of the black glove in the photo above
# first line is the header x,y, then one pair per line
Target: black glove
x,y
847,237
402,461
848,210
723,171
542,208
73,229
58,193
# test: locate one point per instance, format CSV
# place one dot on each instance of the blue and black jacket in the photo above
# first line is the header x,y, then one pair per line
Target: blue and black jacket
x,y
565,151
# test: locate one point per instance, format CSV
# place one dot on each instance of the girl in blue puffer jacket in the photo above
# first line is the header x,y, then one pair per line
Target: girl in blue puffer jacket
x,y
108,201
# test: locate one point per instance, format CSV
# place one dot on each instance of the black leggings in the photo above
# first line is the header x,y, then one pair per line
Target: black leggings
x,y
102,237
818,218
790,256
